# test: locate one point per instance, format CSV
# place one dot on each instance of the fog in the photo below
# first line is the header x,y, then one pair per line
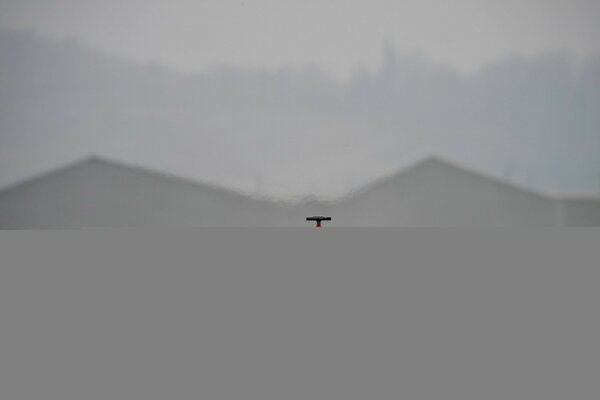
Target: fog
x,y
337,35
299,130
265,112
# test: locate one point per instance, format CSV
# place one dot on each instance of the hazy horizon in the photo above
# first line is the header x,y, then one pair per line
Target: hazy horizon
x,y
303,98
338,36
305,132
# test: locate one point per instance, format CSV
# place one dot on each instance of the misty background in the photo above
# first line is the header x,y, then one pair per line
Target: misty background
x,y
293,99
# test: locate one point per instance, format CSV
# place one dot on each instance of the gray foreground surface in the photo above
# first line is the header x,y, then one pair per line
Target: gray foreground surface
x,y
300,314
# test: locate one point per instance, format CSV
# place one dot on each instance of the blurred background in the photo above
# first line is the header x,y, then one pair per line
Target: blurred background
x,y
267,111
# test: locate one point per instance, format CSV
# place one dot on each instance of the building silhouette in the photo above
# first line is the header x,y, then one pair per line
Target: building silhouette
x,y
97,192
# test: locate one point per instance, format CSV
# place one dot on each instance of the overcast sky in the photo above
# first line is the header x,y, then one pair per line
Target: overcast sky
x,y
339,36
531,120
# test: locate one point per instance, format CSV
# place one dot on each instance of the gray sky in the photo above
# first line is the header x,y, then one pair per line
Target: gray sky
x,y
532,120
339,36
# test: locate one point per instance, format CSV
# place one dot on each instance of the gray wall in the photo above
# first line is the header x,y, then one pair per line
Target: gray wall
x,y
580,211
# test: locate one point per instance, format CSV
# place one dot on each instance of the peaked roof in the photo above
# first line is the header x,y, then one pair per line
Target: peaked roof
x,y
435,162
106,162
432,162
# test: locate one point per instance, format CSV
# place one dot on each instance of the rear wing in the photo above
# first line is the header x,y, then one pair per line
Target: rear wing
x,y
318,219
